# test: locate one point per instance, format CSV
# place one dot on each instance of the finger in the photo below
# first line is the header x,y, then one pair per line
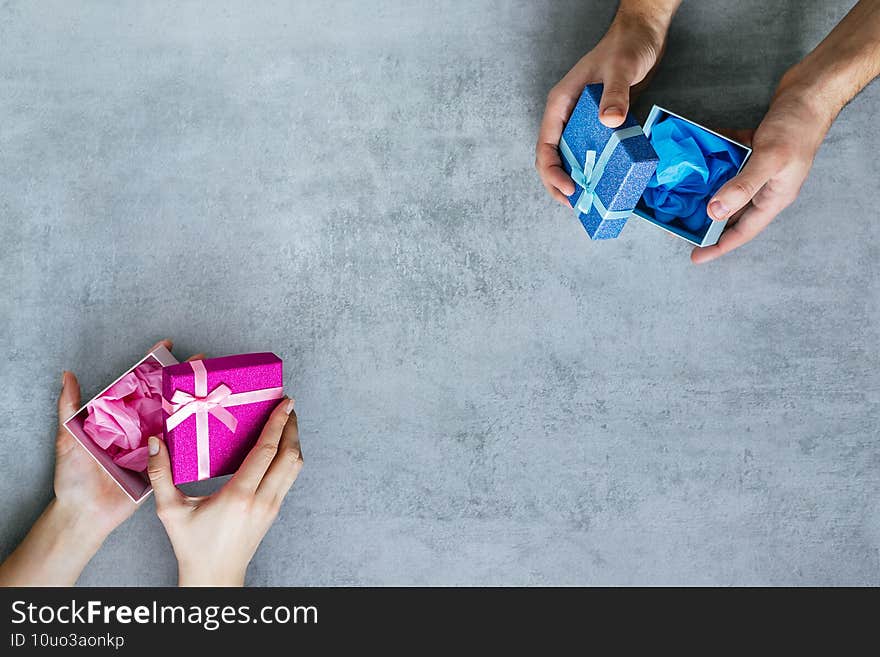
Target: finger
x,y
547,162
159,471
68,405
557,111
752,222
558,196
255,464
69,399
549,166
736,216
615,99
286,465
167,343
198,356
742,188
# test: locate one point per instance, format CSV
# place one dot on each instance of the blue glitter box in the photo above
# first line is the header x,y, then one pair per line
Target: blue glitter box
x,y
611,167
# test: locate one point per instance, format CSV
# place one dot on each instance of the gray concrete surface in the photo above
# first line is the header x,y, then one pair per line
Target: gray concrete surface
x,y
485,396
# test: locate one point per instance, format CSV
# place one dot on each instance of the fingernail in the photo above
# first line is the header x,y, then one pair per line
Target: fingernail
x,y
613,111
63,377
288,407
718,211
154,445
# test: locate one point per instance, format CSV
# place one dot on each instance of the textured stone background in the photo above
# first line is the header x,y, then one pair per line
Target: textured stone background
x,y
485,396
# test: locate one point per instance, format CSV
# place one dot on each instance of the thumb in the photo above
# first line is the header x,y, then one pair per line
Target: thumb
x,y
159,470
69,399
615,100
736,193
68,405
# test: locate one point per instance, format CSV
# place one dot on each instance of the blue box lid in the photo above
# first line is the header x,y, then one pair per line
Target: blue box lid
x,y
626,172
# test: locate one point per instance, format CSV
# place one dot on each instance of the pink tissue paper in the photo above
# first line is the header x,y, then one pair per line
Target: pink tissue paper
x,y
122,418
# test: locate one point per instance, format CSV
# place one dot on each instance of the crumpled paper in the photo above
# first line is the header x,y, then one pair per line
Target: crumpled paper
x,y
129,412
694,164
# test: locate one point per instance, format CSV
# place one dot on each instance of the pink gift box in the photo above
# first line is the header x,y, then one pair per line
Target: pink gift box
x,y
135,484
215,409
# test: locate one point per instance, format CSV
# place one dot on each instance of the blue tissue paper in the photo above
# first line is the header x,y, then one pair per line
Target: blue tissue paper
x,y
694,164
611,167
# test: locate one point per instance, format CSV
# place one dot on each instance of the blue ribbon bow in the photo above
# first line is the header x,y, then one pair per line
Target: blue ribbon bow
x,y
588,176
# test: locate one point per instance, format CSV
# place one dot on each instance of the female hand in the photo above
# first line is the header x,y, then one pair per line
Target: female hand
x,y
88,505
215,537
623,58
81,486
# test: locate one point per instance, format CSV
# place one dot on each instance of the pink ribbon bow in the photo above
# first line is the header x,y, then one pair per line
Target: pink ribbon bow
x,y
204,403
184,404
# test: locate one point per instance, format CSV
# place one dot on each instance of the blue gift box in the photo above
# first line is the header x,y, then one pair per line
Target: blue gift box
x,y
611,167
694,163
665,174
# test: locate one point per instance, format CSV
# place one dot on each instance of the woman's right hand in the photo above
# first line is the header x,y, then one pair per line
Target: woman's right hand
x,y
214,537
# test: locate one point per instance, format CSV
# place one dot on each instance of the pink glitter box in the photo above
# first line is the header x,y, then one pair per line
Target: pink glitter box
x,y
210,413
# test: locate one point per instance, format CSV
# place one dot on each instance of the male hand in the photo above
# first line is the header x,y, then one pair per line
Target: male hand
x,y
623,58
784,146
